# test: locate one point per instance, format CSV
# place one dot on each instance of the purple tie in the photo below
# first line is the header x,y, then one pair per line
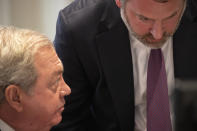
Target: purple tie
x,y
158,114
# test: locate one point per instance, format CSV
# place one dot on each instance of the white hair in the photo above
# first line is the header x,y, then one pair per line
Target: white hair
x,y
17,50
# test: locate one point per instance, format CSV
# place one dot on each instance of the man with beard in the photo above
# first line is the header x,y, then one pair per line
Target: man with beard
x,y
106,45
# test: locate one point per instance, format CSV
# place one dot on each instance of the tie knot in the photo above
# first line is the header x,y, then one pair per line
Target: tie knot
x,y
155,58
156,51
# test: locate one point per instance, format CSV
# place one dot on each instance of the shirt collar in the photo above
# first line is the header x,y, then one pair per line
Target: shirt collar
x,y
5,127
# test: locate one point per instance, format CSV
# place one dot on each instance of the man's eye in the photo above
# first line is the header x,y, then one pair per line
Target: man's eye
x,y
55,85
143,18
57,82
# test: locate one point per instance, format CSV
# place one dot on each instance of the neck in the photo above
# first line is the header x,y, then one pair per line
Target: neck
x,y
17,120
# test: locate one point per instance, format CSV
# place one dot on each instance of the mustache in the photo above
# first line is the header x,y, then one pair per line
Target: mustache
x,y
150,36
147,37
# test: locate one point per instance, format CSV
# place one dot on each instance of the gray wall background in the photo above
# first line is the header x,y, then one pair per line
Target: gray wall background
x,y
39,15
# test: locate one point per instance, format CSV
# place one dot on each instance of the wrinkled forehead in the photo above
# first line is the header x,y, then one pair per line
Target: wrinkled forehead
x,y
155,8
158,1
153,3
165,1
46,58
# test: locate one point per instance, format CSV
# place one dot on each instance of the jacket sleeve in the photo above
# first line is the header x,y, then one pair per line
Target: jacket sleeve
x,y
76,116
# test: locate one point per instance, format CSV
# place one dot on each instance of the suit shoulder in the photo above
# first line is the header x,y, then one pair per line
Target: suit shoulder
x,y
87,15
83,8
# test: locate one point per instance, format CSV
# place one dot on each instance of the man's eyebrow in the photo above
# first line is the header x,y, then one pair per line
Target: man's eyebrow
x,y
168,17
173,14
144,17
58,72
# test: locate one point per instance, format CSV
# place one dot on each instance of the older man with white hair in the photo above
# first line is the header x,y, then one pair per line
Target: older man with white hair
x,y
32,88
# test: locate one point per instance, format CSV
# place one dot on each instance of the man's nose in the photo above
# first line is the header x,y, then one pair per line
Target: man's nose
x,y
65,90
157,30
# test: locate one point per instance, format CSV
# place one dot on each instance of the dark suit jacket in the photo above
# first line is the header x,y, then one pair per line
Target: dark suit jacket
x,y
93,44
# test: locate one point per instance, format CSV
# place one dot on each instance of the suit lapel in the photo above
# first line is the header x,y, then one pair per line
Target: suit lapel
x,y
116,61
185,50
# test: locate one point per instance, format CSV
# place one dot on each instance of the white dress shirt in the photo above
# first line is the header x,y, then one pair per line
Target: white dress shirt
x,y
140,56
5,127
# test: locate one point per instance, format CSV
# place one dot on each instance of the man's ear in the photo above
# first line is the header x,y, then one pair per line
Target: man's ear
x,y
13,96
118,3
